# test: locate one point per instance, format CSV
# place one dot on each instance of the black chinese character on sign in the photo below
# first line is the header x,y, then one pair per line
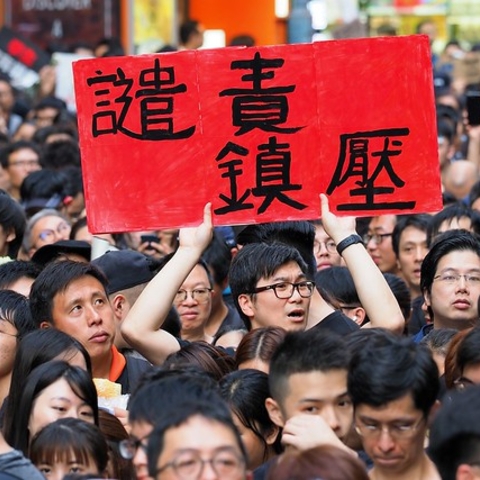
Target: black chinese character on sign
x,y
273,175
258,106
106,121
232,171
156,104
362,164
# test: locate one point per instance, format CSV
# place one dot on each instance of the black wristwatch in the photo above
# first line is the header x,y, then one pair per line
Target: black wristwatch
x,y
346,242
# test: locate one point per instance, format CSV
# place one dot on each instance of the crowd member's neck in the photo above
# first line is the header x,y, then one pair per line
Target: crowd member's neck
x,y
5,387
196,335
422,470
319,309
101,365
217,315
14,192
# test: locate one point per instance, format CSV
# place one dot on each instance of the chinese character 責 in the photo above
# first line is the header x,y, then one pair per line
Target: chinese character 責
x,y
259,106
365,165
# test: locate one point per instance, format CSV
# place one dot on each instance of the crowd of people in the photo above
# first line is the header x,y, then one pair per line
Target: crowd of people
x,y
334,349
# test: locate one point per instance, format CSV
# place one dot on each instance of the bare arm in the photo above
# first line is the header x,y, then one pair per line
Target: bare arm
x,y
141,327
373,291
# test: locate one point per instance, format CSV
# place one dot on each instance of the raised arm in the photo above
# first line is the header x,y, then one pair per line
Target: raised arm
x,y
373,291
141,327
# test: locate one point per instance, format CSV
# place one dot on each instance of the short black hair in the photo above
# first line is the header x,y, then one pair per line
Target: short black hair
x,y
390,367
12,217
15,147
187,29
55,278
61,154
305,352
218,257
15,309
255,261
455,211
216,412
299,235
469,349
453,240
420,222
336,283
455,433
160,390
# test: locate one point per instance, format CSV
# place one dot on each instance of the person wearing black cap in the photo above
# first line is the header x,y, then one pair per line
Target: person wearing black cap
x,y
128,273
75,250
455,437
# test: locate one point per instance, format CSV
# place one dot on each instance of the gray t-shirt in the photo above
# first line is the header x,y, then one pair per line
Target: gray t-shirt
x,y
14,463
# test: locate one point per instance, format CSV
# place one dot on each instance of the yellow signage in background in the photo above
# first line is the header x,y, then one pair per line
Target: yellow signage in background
x,y
154,24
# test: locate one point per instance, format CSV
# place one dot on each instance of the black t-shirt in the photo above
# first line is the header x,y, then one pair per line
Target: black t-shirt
x,y
232,321
337,322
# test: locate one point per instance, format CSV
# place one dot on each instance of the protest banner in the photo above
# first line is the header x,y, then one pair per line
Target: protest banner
x,y
20,59
259,132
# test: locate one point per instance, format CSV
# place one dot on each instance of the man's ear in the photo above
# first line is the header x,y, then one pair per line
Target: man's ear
x,y
246,304
274,412
465,472
120,306
46,324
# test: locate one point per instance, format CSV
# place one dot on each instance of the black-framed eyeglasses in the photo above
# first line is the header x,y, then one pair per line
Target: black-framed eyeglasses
x,y
378,238
199,294
128,448
284,290
189,465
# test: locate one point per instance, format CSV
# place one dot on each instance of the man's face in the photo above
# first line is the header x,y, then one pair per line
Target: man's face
x,y
83,311
412,248
320,393
8,347
48,230
21,163
325,250
381,250
6,97
444,151
140,431
265,309
202,438
454,301
391,450
194,310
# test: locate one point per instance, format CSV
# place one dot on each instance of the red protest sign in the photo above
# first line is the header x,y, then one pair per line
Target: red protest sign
x,y
260,132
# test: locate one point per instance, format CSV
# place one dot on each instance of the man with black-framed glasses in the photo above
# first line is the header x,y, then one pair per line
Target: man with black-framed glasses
x,y
393,384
